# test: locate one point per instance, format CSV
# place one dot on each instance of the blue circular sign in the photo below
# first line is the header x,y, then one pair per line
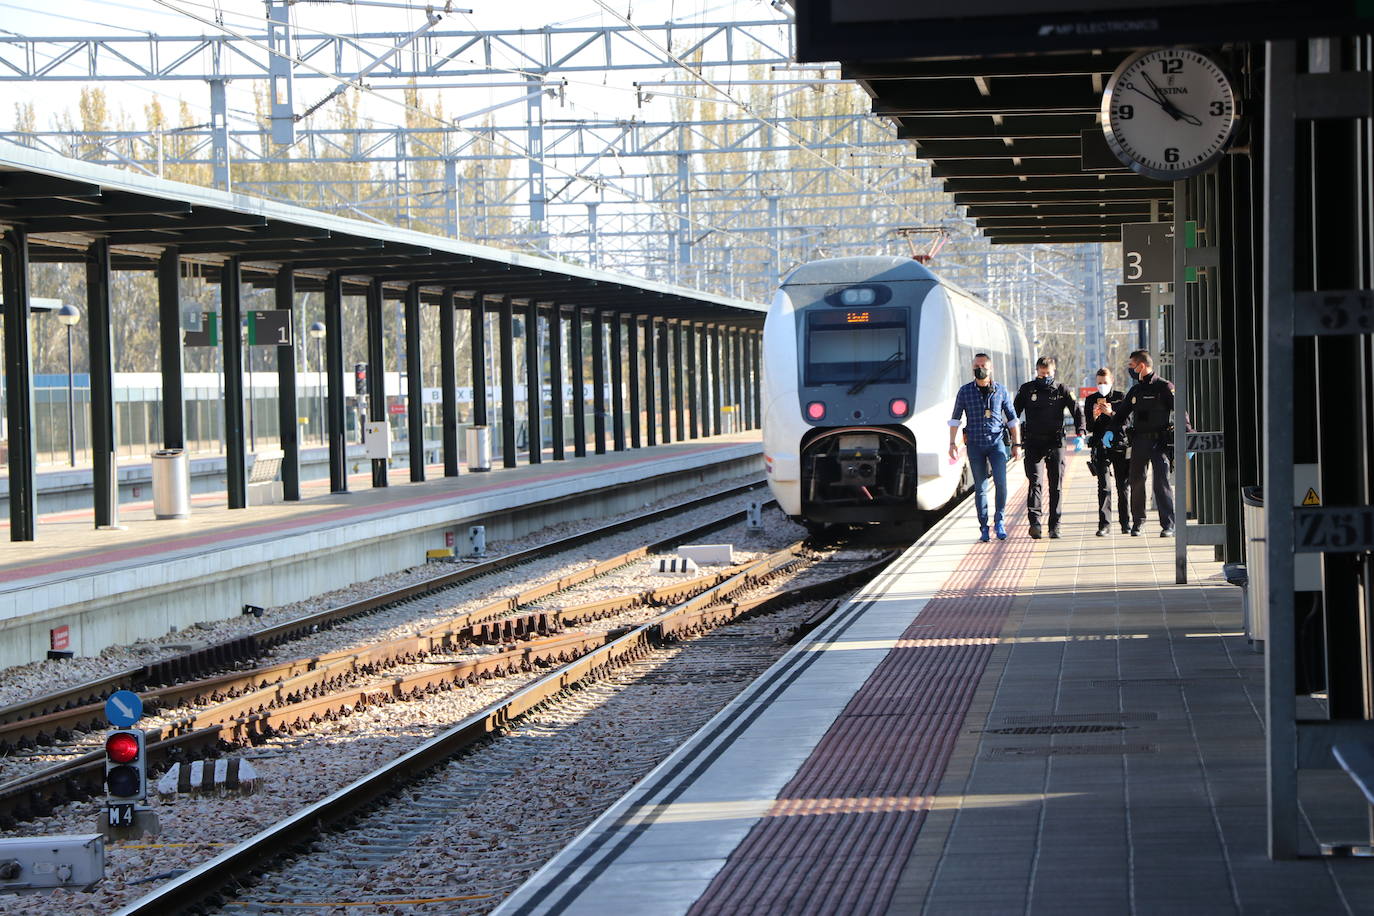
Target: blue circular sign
x,y
123,708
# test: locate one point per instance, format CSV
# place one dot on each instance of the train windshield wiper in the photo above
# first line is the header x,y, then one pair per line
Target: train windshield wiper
x,y
878,372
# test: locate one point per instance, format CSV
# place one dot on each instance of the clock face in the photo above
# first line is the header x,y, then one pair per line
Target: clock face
x,y
1169,114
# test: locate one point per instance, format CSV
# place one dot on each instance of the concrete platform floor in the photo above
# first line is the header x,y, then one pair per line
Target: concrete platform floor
x,y
1171,820
1047,726
68,541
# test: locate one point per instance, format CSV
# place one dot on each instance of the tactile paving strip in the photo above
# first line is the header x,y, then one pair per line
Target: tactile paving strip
x,y
838,835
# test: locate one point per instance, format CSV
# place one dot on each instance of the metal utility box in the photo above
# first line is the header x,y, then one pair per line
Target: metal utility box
x,y
377,439
34,865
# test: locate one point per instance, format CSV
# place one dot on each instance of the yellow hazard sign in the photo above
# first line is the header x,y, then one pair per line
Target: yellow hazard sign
x,y
1311,499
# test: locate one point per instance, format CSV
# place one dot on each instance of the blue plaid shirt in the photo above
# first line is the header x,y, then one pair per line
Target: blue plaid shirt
x,y
982,430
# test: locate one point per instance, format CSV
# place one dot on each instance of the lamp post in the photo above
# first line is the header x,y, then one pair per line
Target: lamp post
x,y
69,315
317,332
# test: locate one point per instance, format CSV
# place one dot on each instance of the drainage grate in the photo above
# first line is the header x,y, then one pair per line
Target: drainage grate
x,y
1069,717
1162,681
1071,750
1056,729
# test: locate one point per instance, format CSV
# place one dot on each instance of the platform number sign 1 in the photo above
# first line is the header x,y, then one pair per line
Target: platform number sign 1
x,y
269,328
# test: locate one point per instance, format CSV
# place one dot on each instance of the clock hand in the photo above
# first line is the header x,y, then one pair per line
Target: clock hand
x,y
1187,118
1169,107
1162,103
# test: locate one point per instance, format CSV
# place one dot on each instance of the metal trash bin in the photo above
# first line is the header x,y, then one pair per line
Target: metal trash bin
x,y
1256,568
171,483
479,448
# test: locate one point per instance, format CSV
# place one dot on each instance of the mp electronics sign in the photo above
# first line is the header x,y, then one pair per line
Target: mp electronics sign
x,y
878,30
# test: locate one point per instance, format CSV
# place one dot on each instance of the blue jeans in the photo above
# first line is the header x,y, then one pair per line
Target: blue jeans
x,y
982,459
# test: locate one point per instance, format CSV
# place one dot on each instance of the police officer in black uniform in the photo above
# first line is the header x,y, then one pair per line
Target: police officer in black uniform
x,y
1149,411
1043,401
1109,463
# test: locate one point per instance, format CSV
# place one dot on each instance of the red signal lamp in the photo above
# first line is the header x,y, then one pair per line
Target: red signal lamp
x,y
815,410
121,748
899,407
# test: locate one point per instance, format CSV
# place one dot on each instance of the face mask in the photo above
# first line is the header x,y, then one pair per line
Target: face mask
x,y
1047,381
980,373
1135,376
1104,390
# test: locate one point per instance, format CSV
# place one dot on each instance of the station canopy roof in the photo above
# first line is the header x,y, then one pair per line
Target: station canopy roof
x,y
1016,140
64,204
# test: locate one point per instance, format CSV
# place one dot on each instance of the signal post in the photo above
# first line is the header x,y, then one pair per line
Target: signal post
x,y
125,814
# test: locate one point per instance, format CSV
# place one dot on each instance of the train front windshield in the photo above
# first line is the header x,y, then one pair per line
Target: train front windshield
x,y
853,346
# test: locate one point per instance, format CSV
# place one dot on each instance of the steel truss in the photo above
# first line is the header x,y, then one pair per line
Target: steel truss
x,y
720,198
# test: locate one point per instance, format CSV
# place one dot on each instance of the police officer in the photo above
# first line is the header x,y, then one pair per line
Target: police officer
x,y
991,426
1043,401
1149,409
1108,443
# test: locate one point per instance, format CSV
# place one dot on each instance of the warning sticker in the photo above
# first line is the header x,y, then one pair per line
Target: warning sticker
x,y
1311,499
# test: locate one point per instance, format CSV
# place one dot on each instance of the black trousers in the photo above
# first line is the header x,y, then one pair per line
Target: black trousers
x,y
1051,456
1113,473
1148,454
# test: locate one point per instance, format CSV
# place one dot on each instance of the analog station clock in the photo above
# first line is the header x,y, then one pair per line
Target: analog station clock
x,y
1170,113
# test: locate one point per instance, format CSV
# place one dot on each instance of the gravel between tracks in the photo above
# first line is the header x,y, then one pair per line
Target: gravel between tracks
x,y
429,610
22,682
551,776
300,769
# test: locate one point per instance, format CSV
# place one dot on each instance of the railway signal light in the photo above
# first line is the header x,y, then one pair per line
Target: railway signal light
x,y
126,767
360,379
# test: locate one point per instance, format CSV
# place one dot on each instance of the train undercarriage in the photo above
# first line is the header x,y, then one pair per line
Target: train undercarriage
x,y
859,475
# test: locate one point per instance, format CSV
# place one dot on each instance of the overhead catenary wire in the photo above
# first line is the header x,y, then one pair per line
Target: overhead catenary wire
x,y
577,176
362,87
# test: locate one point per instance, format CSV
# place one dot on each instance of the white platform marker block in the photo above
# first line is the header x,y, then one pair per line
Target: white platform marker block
x,y
477,541
680,565
229,774
708,554
753,517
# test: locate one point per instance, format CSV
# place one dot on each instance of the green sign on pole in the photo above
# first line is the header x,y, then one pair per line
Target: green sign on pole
x,y
269,328
208,335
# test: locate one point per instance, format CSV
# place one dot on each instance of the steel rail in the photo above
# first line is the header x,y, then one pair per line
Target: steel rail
x,y
200,662
207,883
260,695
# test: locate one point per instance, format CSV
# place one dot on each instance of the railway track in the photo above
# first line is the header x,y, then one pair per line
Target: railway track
x,y
712,604
85,699
248,706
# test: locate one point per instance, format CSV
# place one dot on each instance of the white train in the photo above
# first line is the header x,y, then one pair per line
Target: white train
x,y
861,360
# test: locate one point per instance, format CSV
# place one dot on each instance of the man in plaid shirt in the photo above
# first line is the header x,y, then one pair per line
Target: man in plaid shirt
x,y
987,407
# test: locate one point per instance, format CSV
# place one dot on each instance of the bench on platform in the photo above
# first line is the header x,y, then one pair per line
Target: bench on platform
x,y
264,478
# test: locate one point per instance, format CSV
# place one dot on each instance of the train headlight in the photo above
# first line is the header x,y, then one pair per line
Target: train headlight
x,y
815,410
899,407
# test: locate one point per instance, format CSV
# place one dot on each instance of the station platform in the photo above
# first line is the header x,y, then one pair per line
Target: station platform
x,y
1025,726
113,587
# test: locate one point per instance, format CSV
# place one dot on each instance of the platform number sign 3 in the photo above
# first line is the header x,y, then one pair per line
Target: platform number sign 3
x,y
1169,113
1133,302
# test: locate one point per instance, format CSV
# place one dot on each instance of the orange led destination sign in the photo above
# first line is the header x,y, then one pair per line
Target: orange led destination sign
x,y
856,317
